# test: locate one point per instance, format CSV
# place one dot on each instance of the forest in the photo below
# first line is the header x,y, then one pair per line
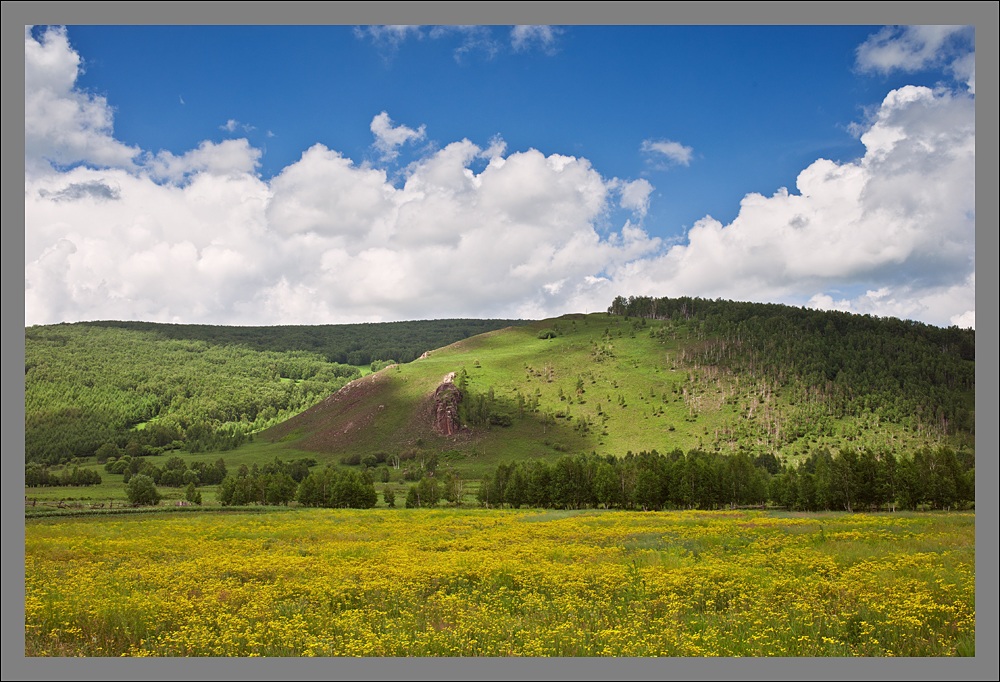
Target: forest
x,y
905,372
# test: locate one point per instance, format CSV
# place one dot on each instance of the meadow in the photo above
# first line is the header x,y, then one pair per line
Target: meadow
x,y
478,582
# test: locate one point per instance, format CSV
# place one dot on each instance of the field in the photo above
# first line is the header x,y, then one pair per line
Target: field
x,y
475,582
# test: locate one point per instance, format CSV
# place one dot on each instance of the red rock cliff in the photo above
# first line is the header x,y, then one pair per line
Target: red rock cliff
x,y
446,400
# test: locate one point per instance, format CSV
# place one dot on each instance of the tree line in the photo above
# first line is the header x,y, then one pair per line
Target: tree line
x,y
349,344
36,475
279,483
869,480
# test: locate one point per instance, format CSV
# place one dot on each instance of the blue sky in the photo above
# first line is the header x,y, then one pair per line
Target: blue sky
x,y
754,115
318,174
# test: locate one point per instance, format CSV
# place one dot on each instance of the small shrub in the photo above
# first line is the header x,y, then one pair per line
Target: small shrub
x,y
141,490
191,495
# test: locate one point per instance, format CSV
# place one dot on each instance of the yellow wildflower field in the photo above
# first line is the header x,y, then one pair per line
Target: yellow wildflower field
x,y
454,582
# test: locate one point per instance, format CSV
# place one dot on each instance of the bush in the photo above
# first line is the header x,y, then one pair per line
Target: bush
x,y
192,495
142,490
547,334
411,498
106,452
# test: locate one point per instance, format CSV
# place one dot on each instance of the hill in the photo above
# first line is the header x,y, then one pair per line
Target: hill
x,y
155,386
657,374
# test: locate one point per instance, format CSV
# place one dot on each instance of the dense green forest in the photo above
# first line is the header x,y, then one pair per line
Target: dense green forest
x,y
901,371
147,388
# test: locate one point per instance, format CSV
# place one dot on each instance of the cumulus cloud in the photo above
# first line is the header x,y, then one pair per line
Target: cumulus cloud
x,y
674,152
635,196
223,158
62,124
388,138
899,223
525,37
326,240
907,302
200,237
912,48
326,195
448,242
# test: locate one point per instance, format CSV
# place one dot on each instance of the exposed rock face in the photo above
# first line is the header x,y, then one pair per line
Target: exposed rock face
x,y
446,400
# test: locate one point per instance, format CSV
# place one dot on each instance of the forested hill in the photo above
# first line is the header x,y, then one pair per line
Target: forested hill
x,y
900,370
651,373
155,386
771,382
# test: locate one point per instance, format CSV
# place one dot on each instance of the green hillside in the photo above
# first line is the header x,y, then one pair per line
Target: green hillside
x,y
715,376
716,396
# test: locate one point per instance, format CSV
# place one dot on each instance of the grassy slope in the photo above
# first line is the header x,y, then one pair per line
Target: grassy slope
x,y
639,396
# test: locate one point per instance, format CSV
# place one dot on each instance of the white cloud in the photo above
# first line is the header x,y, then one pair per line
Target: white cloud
x,y
326,194
524,37
966,320
899,222
388,36
224,158
673,151
495,150
199,237
635,196
325,241
158,252
388,138
908,302
232,125
471,39
912,48
964,70
63,125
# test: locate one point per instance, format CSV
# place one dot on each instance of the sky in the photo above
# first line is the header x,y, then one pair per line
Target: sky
x,y
260,175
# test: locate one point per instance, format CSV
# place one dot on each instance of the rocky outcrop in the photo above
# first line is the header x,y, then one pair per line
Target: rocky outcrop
x,y
447,398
